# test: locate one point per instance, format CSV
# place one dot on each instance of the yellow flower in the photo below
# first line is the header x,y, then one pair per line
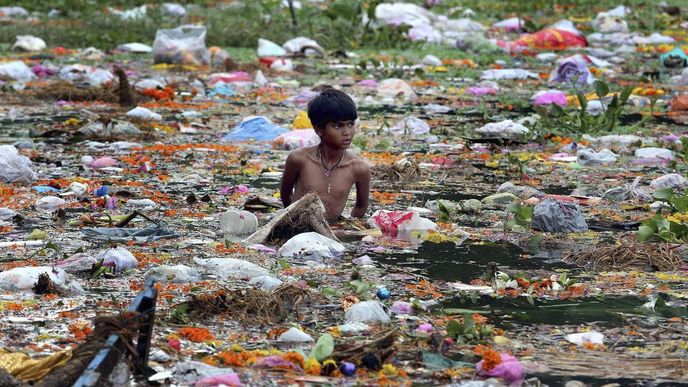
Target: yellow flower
x,y
311,366
389,370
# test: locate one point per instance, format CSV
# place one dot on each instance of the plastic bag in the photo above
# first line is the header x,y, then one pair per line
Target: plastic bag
x,y
549,97
590,157
77,263
296,139
509,369
672,180
265,282
183,45
627,191
654,153
585,337
23,278
303,45
410,126
231,267
506,74
573,69
295,335
554,216
367,312
136,48
393,87
15,168
255,128
522,191
29,43
16,70
238,222
84,74
267,48
176,274
118,258
311,246
49,204
504,129
144,114
394,223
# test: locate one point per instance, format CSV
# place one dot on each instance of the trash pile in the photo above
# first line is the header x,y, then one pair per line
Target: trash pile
x,y
528,215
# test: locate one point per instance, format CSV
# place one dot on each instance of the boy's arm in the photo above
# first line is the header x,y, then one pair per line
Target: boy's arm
x,y
291,173
362,190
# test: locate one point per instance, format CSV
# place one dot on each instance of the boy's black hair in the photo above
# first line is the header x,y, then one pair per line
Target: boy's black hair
x,y
331,105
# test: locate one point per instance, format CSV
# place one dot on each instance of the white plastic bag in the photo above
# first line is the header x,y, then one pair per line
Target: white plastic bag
x,y
267,48
367,312
311,246
182,45
303,44
592,337
49,204
504,129
234,222
16,70
410,126
590,157
15,168
295,139
295,335
654,153
29,43
231,267
176,274
137,48
673,180
22,279
144,114
265,282
507,74
393,87
119,258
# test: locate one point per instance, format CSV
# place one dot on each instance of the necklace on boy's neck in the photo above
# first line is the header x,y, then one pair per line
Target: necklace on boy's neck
x,y
328,171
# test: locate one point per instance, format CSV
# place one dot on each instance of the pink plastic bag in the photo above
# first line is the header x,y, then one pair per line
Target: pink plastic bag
x,y
389,221
218,380
510,369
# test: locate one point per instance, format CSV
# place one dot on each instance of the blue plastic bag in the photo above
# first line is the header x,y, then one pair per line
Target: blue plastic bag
x,y
254,128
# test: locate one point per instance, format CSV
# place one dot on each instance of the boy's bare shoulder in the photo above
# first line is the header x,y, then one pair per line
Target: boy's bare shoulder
x,y
300,154
359,163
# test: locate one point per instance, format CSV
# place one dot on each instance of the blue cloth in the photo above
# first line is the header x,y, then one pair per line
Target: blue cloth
x,y
257,129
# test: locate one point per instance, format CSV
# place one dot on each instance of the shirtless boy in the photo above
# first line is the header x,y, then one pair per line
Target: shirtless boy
x,y
328,169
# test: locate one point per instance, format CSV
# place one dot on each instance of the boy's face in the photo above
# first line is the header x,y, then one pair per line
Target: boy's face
x,y
337,134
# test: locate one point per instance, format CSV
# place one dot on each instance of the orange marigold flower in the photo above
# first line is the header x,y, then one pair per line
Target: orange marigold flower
x,y
491,358
196,335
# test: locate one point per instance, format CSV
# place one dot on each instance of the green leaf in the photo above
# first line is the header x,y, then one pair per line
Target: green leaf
x,y
664,193
453,329
468,323
645,233
283,263
462,311
436,361
323,347
582,101
601,89
680,203
625,94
